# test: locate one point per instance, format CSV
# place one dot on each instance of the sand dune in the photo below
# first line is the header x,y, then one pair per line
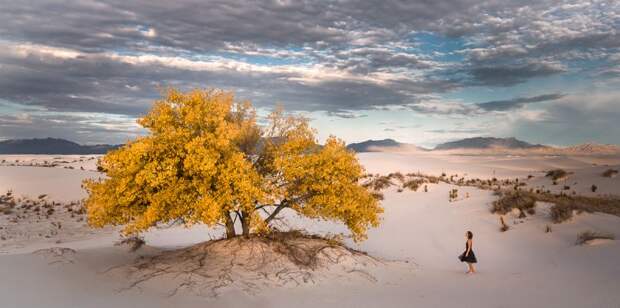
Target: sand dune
x,y
419,239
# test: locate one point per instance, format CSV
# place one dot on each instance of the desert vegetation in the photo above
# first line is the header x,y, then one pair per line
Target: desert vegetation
x,y
563,205
556,174
609,173
510,200
453,194
41,217
588,236
56,162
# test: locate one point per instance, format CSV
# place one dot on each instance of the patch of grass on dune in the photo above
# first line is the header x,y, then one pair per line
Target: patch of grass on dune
x,y
556,174
563,205
609,173
588,236
514,200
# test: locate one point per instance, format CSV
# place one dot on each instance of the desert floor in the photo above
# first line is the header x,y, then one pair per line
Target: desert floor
x,y
419,239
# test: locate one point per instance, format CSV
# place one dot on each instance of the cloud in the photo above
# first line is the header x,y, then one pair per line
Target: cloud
x,y
503,105
508,75
571,119
339,57
79,127
346,115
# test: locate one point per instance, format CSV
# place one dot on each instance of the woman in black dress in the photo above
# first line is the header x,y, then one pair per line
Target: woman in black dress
x,y
468,256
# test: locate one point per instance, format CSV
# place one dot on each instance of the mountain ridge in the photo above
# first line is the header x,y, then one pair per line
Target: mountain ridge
x,y
52,146
488,143
382,145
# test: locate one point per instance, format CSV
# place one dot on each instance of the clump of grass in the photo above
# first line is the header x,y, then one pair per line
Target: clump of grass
x,y
556,174
379,183
587,236
609,173
514,200
377,195
413,184
561,213
453,195
397,175
593,188
133,242
565,204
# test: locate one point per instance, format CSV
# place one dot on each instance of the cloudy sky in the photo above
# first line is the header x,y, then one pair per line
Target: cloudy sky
x,y
420,71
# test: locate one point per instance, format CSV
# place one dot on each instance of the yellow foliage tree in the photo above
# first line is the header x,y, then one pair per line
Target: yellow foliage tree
x,y
206,160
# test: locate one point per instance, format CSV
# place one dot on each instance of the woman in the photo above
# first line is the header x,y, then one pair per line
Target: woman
x,y
468,256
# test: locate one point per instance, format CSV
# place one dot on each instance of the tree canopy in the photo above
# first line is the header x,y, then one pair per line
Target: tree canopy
x,y
206,160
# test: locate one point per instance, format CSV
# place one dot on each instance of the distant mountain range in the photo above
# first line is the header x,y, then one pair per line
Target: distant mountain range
x,y
51,146
488,143
484,145
383,145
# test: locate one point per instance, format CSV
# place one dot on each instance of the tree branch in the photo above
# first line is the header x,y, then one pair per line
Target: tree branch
x,y
275,212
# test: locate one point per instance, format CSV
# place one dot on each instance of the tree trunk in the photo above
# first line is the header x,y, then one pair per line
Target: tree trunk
x,y
230,227
245,223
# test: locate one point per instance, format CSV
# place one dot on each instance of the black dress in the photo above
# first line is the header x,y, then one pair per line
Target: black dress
x,y
470,258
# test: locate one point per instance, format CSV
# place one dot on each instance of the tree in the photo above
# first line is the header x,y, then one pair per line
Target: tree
x,y
206,160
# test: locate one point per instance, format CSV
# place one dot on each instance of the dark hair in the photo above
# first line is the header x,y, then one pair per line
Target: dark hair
x,y
470,235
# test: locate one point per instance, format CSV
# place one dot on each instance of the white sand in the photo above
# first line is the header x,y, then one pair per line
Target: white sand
x,y
523,267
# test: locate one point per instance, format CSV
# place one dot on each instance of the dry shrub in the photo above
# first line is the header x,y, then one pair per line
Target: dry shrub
x,y
133,242
513,200
587,236
378,183
610,173
414,184
560,213
377,195
556,174
564,205
453,194
397,175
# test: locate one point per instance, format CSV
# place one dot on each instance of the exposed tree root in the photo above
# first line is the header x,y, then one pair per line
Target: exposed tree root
x,y
247,264
57,255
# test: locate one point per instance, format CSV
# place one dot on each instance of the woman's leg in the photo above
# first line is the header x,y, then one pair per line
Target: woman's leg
x,y
468,268
472,269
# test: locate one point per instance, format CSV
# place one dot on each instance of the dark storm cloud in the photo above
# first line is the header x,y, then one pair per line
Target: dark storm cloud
x,y
508,75
503,105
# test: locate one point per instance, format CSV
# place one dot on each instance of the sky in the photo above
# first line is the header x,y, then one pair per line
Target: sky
x,y
420,71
